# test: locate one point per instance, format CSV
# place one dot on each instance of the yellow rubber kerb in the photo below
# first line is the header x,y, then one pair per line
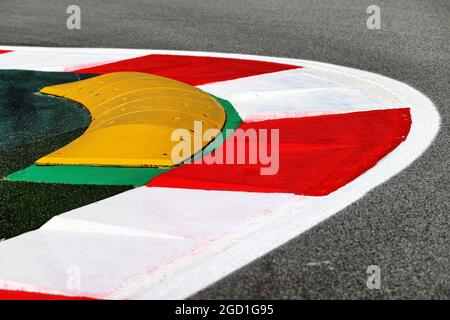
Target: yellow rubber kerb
x,y
133,117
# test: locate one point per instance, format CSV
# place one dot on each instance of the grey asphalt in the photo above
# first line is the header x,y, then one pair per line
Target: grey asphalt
x,y
403,225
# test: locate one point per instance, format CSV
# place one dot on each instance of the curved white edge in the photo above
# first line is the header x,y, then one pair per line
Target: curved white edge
x,y
191,276
424,128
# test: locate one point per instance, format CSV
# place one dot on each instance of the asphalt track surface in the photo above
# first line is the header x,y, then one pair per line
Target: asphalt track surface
x,y
403,225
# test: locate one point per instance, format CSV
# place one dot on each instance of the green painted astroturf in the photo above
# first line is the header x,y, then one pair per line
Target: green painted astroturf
x,y
76,174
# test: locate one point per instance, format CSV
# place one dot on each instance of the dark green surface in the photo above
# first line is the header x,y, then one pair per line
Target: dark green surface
x,y
25,206
26,116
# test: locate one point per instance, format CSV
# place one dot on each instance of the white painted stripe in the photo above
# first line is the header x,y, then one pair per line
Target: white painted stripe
x,y
45,258
294,93
255,223
113,255
55,61
64,223
192,214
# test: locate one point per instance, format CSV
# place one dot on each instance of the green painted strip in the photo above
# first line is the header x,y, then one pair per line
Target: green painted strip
x,y
111,175
86,175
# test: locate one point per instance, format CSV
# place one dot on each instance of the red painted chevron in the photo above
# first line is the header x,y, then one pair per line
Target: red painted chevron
x,y
318,154
192,70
